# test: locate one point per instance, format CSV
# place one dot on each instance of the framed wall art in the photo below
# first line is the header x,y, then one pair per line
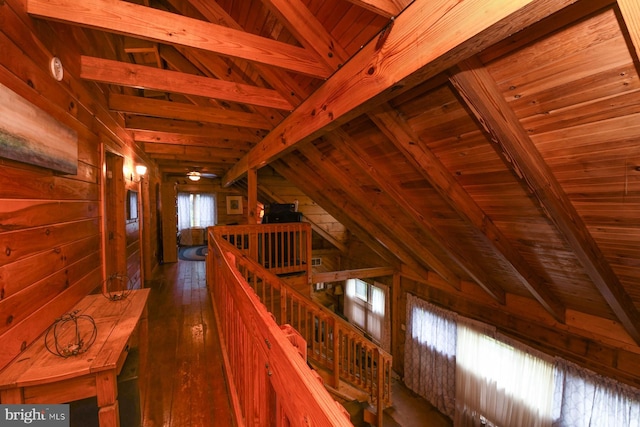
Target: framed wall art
x,y
30,135
234,205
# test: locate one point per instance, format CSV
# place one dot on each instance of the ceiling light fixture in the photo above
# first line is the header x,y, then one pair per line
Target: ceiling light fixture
x,y
194,176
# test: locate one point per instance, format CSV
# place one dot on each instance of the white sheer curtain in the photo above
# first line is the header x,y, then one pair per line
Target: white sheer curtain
x,y
366,306
184,211
353,310
430,353
501,384
375,321
583,398
205,207
196,210
381,304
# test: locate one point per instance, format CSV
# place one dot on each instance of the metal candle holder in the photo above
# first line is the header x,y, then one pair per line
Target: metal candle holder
x,y
116,287
71,335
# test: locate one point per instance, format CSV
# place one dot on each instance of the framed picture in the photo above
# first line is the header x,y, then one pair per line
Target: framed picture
x,y
234,205
30,135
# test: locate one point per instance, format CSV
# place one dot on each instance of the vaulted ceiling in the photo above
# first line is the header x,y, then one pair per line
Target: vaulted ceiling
x,y
489,142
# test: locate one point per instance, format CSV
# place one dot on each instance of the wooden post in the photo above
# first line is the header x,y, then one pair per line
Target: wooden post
x,y
252,196
252,215
145,232
395,314
380,390
336,355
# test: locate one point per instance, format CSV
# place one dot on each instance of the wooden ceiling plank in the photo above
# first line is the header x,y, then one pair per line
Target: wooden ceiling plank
x,y
386,8
452,247
397,61
340,179
630,10
348,214
479,91
314,226
140,76
432,169
182,111
308,31
144,22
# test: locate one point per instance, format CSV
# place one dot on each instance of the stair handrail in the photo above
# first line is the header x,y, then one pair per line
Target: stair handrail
x,y
358,357
270,383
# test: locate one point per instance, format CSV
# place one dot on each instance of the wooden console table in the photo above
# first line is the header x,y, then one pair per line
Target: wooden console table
x,y
37,376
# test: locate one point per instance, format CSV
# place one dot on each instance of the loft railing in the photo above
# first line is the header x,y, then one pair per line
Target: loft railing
x,y
279,248
332,342
270,383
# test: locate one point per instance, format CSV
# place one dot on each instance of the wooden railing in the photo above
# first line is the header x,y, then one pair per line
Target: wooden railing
x,y
279,248
332,342
270,383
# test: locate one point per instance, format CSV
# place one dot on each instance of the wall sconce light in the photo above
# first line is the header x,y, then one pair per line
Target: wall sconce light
x,y
194,176
141,170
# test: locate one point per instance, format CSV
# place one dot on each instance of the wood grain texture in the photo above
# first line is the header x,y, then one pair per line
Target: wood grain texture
x,y
30,135
125,74
174,29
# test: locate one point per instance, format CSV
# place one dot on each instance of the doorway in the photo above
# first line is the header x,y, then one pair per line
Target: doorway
x,y
114,201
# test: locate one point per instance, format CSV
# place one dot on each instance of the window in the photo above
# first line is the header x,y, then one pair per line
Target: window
x,y
499,383
196,210
365,307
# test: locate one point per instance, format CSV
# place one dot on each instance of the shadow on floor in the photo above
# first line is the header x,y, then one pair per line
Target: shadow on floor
x,y
411,410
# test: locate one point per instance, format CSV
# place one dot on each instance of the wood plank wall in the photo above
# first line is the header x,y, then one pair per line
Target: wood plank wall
x,y
51,224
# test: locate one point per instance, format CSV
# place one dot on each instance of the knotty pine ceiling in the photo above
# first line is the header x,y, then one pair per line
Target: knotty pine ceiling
x,y
493,142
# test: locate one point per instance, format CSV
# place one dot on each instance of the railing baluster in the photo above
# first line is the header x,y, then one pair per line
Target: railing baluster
x,y
286,248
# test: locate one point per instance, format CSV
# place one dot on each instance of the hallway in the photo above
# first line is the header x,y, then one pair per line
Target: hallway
x,y
184,384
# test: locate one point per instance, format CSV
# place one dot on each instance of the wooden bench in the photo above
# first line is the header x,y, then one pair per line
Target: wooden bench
x,y
36,376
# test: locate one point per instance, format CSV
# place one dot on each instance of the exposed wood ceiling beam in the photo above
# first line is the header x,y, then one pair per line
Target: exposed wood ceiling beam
x,y
204,153
448,244
139,46
432,169
631,14
360,273
180,139
484,99
134,20
190,128
424,41
386,8
314,186
182,111
140,76
308,30
277,78
339,178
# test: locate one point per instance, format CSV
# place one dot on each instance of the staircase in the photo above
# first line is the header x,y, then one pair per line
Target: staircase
x,y
275,260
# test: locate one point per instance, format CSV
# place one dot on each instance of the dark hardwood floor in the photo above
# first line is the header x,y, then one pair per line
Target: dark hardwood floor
x,y
182,382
